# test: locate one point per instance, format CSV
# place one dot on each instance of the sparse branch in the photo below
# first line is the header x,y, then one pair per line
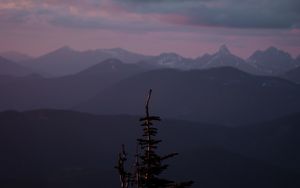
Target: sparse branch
x,y
147,103
148,164
124,176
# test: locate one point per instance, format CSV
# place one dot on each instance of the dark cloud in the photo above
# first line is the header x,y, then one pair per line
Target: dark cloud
x,y
86,15
77,22
225,13
13,16
162,1
272,14
242,17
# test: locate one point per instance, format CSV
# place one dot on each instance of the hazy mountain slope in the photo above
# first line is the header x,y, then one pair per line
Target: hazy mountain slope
x,y
63,148
298,60
15,56
8,67
170,60
293,75
63,92
65,61
224,58
202,60
220,95
272,61
6,80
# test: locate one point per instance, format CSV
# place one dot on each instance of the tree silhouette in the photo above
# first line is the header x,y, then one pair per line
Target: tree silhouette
x,y
148,165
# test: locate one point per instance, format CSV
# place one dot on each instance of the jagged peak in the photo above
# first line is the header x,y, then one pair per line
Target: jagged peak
x,y
275,51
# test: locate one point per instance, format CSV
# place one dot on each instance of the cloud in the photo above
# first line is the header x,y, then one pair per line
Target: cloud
x,y
152,15
225,13
88,14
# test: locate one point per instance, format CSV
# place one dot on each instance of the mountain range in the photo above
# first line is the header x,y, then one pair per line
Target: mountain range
x,y
273,61
218,95
15,56
234,122
34,91
65,61
224,58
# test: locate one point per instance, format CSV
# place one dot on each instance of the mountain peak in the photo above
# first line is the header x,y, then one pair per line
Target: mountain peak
x,y
272,61
272,49
279,53
223,49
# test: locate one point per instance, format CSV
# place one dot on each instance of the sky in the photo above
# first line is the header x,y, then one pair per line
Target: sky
x,y
188,27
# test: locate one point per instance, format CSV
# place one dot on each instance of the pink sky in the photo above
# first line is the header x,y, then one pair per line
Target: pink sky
x,y
37,27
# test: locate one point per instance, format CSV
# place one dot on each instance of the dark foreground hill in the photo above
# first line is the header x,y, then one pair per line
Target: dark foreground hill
x,y
51,148
220,95
274,140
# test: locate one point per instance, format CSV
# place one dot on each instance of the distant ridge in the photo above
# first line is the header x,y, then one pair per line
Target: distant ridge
x,y
272,61
219,95
63,92
65,60
8,67
222,58
15,56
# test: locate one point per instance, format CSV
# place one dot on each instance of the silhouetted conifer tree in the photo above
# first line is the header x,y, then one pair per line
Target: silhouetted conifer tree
x,y
148,164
